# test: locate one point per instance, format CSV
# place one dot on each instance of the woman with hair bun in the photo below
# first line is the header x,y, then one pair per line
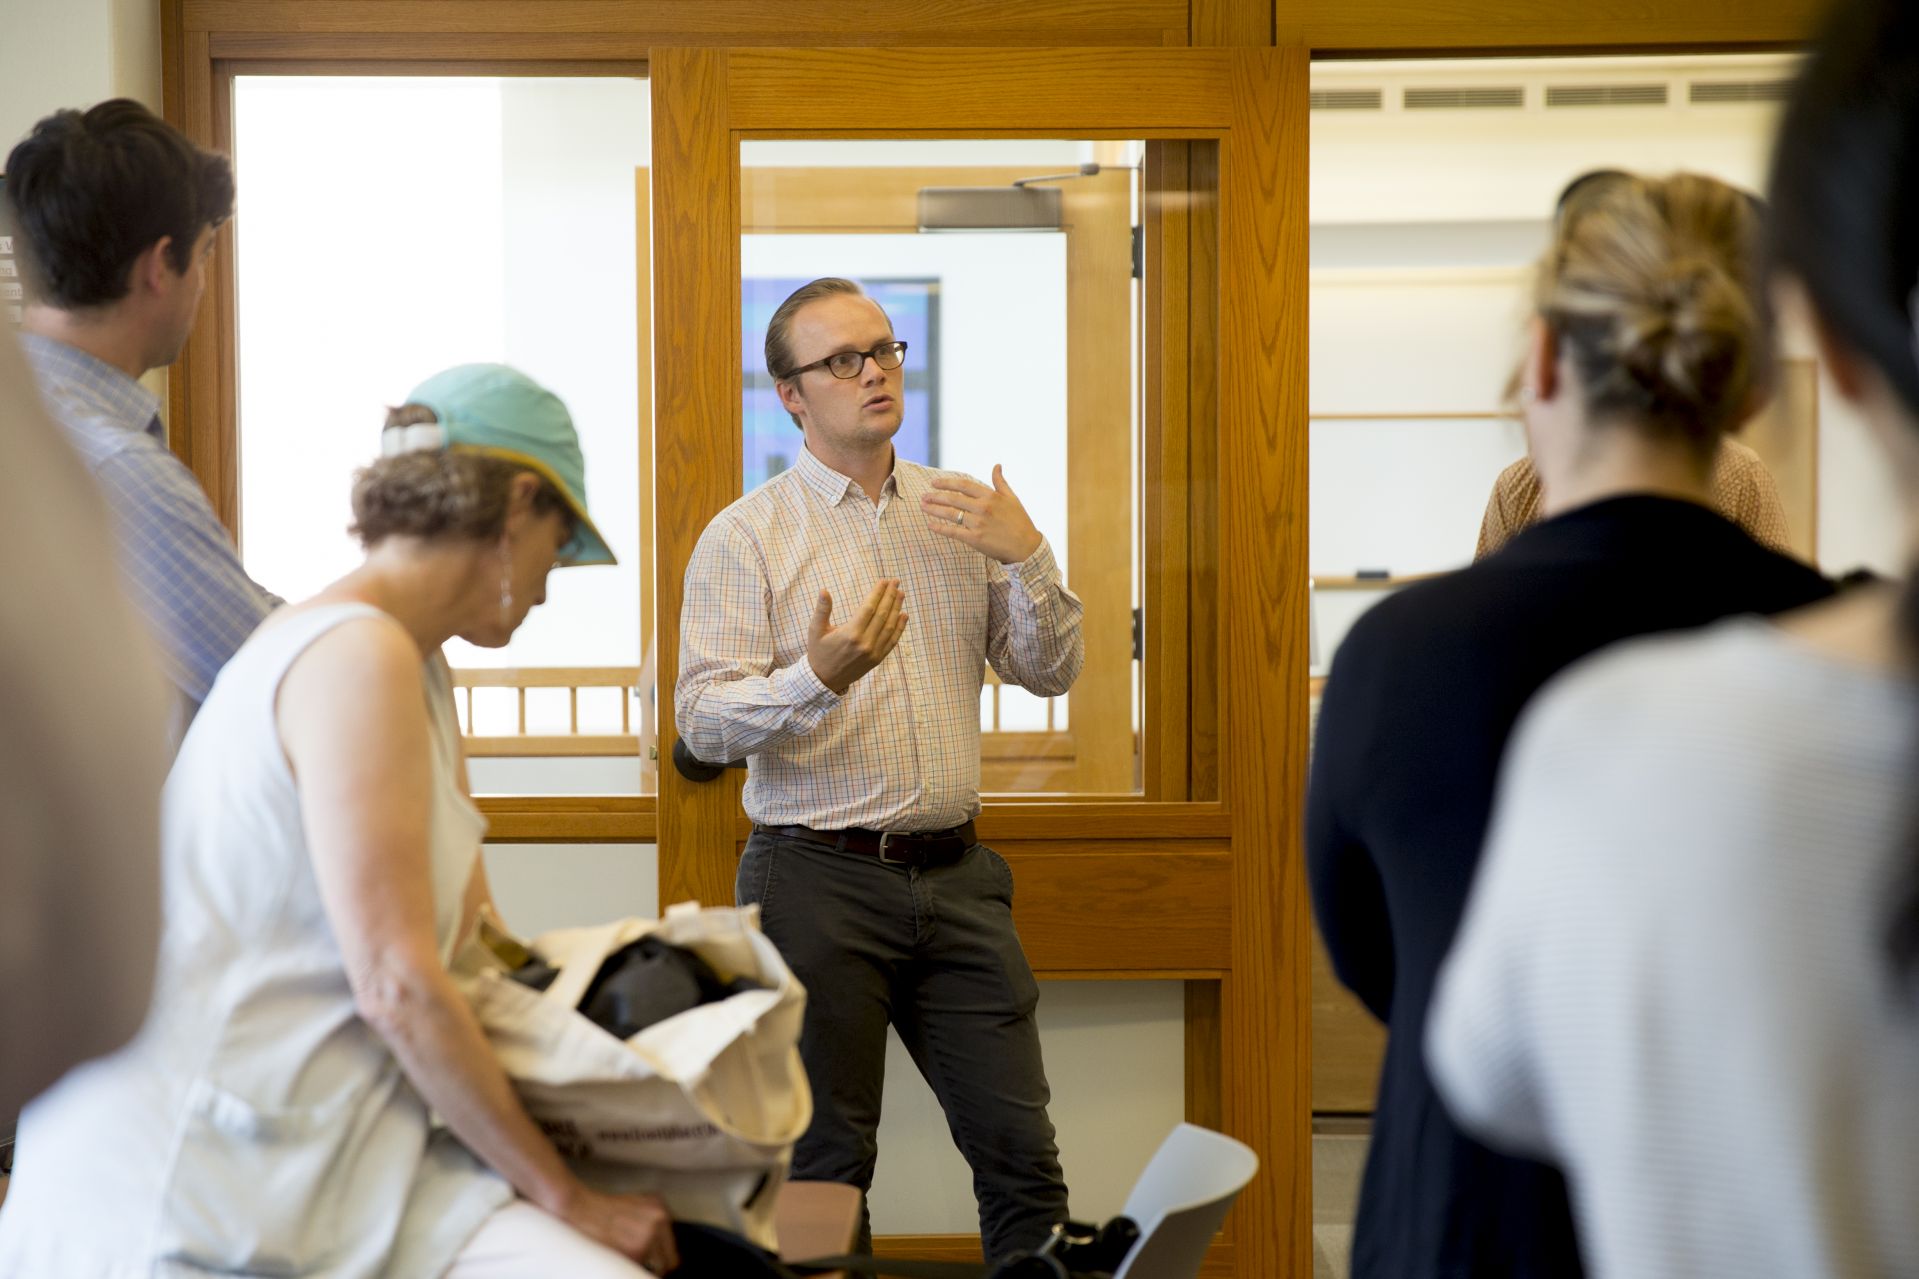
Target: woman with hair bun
x,y
320,859
1649,341
1690,972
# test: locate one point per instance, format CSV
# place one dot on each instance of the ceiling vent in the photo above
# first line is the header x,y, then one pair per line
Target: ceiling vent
x,y
1711,92
1606,95
1468,98
1346,99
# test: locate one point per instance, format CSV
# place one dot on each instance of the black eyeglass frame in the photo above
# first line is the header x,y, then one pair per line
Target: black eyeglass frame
x,y
895,345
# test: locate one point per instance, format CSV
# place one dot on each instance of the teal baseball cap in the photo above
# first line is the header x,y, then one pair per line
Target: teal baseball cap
x,y
501,412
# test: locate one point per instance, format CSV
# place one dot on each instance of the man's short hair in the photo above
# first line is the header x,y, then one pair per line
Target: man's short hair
x,y
779,351
89,192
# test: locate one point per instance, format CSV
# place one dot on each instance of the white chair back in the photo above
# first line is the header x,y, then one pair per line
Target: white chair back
x,y
1181,1199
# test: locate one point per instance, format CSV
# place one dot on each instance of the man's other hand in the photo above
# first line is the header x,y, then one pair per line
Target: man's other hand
x,y
841,654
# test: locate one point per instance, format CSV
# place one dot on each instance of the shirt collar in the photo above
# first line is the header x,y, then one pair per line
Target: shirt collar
x,y
73,375
833,487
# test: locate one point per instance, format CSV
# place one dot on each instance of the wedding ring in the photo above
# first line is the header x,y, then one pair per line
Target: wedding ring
x,y
960,519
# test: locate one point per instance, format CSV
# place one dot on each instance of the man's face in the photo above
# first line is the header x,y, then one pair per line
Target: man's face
x,y
180,300
843,414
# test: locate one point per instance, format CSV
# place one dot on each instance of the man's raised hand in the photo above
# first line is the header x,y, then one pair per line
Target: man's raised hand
x,y
841,654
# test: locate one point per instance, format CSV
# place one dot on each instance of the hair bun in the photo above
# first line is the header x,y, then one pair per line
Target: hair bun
x,y
1688,343
1654,286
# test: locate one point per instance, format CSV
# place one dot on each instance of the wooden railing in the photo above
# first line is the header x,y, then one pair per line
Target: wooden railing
x,y
572,679
1011,760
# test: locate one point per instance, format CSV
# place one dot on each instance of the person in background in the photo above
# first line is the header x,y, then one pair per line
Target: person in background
x,y
116,213
863,740
1690,971
321,860
1742,489
83,751
1646,345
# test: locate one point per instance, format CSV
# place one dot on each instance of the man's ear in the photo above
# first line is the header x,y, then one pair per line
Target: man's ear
x,y
789,393
152,268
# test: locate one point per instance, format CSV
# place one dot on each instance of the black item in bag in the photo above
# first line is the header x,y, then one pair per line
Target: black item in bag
x,y
642,983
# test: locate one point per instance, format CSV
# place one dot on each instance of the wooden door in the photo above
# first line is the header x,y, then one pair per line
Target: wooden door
x,y
1194,873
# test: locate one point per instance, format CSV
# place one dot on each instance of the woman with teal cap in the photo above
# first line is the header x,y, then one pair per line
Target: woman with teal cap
x,y
321,859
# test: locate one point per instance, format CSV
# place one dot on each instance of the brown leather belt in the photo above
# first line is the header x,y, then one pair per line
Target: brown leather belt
x,y
894,847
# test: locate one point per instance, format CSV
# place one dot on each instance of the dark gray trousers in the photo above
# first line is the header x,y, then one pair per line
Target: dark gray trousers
x,y
933,952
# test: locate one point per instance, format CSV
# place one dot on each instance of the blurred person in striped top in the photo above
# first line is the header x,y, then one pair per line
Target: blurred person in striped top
x,y
116,214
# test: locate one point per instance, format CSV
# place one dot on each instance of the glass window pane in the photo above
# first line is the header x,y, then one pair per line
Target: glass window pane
x,y
1023,351
390,227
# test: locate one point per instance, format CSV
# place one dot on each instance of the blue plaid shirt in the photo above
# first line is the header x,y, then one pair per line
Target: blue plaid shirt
x,y
180,567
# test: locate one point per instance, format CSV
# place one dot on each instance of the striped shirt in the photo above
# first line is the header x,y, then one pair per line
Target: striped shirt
x,y
180,568
1742,490
900,751
1673,978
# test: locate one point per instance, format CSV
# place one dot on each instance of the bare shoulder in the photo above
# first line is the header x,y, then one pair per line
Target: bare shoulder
x,y
366,667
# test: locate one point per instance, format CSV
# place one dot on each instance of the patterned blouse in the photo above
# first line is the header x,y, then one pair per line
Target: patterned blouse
x,y
1742,490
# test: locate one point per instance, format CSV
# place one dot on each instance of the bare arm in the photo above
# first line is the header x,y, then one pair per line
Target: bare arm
x,y
364,767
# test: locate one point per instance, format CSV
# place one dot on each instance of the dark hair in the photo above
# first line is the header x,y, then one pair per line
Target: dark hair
x,y
1654,285
779,351
1845,200
91,191
439,493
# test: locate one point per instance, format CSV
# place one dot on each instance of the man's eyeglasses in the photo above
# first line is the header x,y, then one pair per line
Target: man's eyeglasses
x,y
846,364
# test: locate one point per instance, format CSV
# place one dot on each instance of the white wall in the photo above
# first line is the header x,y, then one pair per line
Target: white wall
x,y
74,53
1424,229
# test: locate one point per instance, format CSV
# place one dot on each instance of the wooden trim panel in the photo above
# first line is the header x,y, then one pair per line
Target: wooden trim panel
x,y
998,23
570,819
1421,27
1263,435
696,253
1093,93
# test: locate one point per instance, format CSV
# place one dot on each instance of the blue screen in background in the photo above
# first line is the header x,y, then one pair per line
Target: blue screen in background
x,y
771,441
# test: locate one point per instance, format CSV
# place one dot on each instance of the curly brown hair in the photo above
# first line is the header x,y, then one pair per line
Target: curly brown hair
x,y
439,493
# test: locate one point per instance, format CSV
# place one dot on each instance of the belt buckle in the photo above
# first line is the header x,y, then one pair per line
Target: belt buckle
x,y
886,841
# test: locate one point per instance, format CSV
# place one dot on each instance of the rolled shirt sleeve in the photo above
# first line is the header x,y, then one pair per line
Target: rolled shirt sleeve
x,y
730,701
1033,625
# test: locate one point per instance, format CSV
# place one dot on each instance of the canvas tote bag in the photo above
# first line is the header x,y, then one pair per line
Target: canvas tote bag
x,y
701,1109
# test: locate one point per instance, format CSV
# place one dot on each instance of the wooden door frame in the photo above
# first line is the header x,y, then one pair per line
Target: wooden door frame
x,y
1208,890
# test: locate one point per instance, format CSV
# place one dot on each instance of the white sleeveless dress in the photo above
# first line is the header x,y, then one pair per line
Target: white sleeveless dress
x,y
256,1126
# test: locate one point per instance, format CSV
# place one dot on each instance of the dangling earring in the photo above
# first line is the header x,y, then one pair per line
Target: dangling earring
x,y
506,584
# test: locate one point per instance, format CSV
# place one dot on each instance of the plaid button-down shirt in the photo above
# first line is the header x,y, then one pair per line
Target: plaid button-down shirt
x,y
179,566
900,751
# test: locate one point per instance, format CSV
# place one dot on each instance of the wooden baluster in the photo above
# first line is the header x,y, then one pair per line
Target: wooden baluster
x,y
522,692
573,699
